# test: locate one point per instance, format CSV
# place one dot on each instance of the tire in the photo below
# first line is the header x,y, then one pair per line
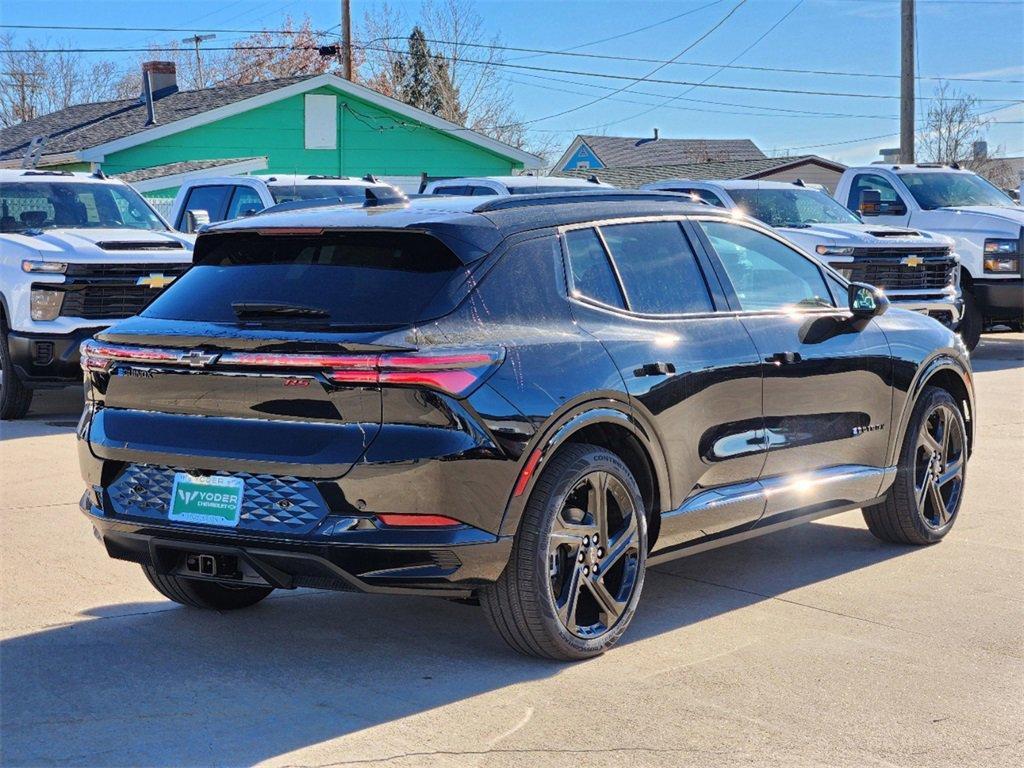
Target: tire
x,y
15,397
971,323
547,602
196,593
923,503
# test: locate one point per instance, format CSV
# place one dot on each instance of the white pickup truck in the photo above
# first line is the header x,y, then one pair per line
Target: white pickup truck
x,y
77,252
918,270
209,200
986,226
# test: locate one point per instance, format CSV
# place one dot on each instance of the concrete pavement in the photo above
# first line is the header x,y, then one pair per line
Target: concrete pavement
x,y
816,645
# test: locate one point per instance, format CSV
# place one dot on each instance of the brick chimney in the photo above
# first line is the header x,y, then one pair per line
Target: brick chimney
x,y
159,79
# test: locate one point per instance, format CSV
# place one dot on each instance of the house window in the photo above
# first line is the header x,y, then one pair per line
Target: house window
x,y
321,121
584,164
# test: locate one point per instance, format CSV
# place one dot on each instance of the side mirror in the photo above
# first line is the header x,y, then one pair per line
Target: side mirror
x,y
867,300
870,203
195,219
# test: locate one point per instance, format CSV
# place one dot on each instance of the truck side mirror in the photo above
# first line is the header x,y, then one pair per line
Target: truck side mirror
x,y
870,203
867,300
195,219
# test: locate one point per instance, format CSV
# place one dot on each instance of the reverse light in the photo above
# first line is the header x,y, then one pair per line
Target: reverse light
x,y
833,250
45,305
44,267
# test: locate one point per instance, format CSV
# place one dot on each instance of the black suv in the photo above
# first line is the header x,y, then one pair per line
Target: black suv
x,y
522,402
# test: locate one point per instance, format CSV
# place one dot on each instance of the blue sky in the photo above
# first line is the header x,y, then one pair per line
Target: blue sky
x,y
967,38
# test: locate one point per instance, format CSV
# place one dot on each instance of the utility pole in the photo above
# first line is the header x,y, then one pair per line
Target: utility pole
x,y
196,40
907,81
346,38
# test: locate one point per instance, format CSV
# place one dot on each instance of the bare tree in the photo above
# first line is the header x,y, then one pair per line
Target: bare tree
x,y
951,127
288,52
35,83
465,65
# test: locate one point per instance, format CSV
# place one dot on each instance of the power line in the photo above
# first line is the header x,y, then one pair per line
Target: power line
x,y
645,77
666,81
736,58
159,29
747,67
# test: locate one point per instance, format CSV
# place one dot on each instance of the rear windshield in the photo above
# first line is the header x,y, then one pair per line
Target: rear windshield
x,y
347,279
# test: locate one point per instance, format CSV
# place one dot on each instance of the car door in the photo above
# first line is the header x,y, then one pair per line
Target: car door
x,y
827,376
692,374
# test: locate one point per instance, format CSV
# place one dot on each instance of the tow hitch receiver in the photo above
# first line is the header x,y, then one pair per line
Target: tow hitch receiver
x,y
221,566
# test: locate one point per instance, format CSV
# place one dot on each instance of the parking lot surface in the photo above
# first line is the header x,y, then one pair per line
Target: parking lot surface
x,y
814,645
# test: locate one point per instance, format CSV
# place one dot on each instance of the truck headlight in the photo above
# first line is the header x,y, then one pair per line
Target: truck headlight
x,y
45,305
833,250
1002,256
46,267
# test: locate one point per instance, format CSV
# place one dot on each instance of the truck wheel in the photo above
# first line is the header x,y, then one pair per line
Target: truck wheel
x,y
923,502
572,584
15,397
196,593
971,323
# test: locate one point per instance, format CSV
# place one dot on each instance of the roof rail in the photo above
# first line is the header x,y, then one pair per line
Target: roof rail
x,y
584,196
48,173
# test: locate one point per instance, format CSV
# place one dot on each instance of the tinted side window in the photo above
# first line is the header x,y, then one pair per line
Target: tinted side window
x,y
765,273
211,199
245,200
658,268
890,201
461,191
592,275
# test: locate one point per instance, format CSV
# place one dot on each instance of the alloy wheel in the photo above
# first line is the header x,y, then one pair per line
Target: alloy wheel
x,y
594,555
939,466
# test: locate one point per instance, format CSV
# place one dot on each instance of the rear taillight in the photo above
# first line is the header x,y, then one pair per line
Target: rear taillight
x,y
97,356
455,371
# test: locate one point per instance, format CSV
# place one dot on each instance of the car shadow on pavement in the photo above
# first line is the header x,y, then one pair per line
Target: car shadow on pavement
x,y
998,352
156,684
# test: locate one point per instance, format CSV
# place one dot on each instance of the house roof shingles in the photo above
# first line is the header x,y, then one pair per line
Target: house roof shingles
x,y
635,176
174,169
88,125
615,151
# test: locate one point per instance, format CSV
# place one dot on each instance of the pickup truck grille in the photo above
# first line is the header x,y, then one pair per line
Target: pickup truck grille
x,y
111,291
885,269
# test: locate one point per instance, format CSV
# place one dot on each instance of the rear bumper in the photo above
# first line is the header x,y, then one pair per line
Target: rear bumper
x,y
1000,299
44,360
449,563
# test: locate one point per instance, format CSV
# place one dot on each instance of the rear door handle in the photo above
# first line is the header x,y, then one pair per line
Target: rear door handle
x,y
655,369
784,358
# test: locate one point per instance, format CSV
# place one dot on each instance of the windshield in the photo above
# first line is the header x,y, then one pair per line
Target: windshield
x,y
349,193
28,205
944,190
795,207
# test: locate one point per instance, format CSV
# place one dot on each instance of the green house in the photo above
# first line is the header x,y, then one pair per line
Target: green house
x,y
317,125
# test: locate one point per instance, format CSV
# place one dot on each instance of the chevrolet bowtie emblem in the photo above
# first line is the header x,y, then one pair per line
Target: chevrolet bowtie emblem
x,y
155,280
913,261
196,358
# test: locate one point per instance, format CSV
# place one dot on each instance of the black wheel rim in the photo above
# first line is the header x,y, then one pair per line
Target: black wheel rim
x,y
939,467
594,555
